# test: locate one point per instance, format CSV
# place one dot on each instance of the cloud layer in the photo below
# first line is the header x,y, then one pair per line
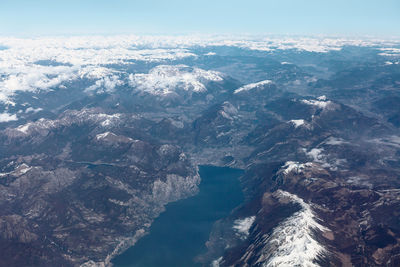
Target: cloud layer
x,y
48,63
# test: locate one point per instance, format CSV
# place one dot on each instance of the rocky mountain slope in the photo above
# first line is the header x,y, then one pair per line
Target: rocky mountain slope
x,y
97,135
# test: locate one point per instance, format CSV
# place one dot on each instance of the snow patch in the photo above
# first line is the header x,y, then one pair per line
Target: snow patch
x,y
166,150
24,128
166,79
242,226
228,110
297,123
19,170
108,119
393,140
294,166
217,262
252,86
292,242
177,123
104,135
333,141
22,169
42,125
321,103
360,181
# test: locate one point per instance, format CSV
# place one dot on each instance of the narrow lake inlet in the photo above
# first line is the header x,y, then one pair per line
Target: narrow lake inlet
x,y
179,234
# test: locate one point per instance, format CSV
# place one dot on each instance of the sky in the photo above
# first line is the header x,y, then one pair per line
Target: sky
x,y
172,17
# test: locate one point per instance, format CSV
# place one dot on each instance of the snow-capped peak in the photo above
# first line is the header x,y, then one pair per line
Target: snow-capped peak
x,y
297,123
321,102
294,166
165,79
104,135
292,242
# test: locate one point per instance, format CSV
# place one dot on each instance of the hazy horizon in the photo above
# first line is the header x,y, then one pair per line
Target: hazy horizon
x,y
22,18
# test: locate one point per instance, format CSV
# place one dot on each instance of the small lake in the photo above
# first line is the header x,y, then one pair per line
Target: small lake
x,y
179,234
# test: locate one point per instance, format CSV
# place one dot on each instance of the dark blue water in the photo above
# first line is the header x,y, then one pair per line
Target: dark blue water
x,y
179,234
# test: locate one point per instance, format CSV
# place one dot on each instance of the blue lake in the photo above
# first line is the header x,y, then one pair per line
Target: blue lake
x,y
179,234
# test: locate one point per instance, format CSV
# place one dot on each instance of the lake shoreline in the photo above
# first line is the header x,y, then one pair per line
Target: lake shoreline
x,y
179,234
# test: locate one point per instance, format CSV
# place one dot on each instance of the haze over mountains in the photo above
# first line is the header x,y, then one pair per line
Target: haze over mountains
x,y
98,134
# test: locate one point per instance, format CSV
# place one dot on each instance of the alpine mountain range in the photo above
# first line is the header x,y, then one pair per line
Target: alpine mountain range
x,y
98,134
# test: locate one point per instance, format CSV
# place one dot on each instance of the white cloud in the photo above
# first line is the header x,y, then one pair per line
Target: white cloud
x,y
108,84
76,58
85,57
316,154
34,110
32,78
390,51
5,117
